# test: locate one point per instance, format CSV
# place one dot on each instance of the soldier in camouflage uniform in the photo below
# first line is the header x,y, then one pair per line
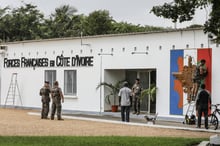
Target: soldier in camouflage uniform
x,y
136,92
199,77
57,96
45,94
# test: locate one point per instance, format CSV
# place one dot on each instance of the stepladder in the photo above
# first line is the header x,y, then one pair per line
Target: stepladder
x,y
13,97
190,117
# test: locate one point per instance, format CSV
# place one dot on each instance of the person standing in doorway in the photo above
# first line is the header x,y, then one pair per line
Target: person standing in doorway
x,y
45,99
136,93
125,102
57,97
202,103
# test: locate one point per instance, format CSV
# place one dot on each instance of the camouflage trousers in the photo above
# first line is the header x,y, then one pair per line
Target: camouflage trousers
x,y
45,110
56,107
136,104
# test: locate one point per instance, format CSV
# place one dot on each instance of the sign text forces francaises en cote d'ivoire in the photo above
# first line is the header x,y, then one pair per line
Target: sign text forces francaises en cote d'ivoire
x,y
59,61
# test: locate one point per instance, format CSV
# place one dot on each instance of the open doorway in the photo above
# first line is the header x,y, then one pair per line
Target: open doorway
x,y
146,76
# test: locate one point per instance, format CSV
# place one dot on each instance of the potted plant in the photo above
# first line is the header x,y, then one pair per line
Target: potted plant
x,y
150,93
114,89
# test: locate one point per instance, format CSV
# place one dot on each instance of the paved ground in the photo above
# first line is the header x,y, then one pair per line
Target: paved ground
x,y
28,122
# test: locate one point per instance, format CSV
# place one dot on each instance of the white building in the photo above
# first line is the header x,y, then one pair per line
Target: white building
x,y
80,64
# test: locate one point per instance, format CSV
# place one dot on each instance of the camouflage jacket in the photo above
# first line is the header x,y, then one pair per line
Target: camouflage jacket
x,y
56,94
45,93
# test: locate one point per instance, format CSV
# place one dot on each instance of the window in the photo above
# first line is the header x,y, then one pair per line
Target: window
x,y
70,82
50,75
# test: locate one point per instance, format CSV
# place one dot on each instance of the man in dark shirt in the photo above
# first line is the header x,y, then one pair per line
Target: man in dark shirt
x,y
202,104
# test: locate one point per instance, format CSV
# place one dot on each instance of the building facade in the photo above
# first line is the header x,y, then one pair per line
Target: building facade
x,y
80,64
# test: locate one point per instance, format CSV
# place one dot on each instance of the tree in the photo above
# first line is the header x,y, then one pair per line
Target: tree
x,y
213,24
20,24
25,23
99,22
124,27
3,25
184,10
28,23
62,23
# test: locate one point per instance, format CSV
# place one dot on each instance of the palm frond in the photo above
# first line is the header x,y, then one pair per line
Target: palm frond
x,y
150,91
114,89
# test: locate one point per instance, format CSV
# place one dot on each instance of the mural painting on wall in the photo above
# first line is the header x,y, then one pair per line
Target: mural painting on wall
x,y
182,68
185,78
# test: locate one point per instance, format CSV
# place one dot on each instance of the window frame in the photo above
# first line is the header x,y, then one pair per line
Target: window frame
x,y
53,78
73,83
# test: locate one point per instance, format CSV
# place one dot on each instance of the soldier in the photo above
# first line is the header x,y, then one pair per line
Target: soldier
x,y
57,96
199,77
45,94
136,92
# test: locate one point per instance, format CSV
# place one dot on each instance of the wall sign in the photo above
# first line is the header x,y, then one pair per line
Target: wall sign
x,y
59,61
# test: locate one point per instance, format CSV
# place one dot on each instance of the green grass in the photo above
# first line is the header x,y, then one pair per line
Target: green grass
x,y
96,141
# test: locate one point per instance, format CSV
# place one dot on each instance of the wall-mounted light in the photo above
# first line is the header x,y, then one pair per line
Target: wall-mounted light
x,y
112,49
123,49
90,50
3,47
100,54
101,50
173,47
187,46
71,51
202,45
139,53
81,51
147,48
160,47
135,48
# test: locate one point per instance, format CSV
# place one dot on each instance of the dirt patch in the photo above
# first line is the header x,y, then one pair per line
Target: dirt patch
x,y
18,122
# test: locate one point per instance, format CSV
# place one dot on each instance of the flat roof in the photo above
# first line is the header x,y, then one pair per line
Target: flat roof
x,y
105,35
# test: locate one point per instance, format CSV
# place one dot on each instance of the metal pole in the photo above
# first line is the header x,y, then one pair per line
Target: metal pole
x,y
100,102
100,86
149,95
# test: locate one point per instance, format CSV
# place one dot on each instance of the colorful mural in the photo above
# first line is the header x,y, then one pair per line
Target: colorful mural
x,y
179,59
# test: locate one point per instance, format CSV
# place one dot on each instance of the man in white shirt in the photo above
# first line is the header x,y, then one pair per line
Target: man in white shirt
x,y
125,102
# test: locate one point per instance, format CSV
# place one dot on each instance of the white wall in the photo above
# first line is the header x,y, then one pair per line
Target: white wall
x,y
158,46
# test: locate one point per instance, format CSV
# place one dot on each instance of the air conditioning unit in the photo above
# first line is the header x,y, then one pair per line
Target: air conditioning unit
x,y
3,47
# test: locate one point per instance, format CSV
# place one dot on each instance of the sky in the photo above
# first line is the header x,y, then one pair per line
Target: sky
x,y
131,11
